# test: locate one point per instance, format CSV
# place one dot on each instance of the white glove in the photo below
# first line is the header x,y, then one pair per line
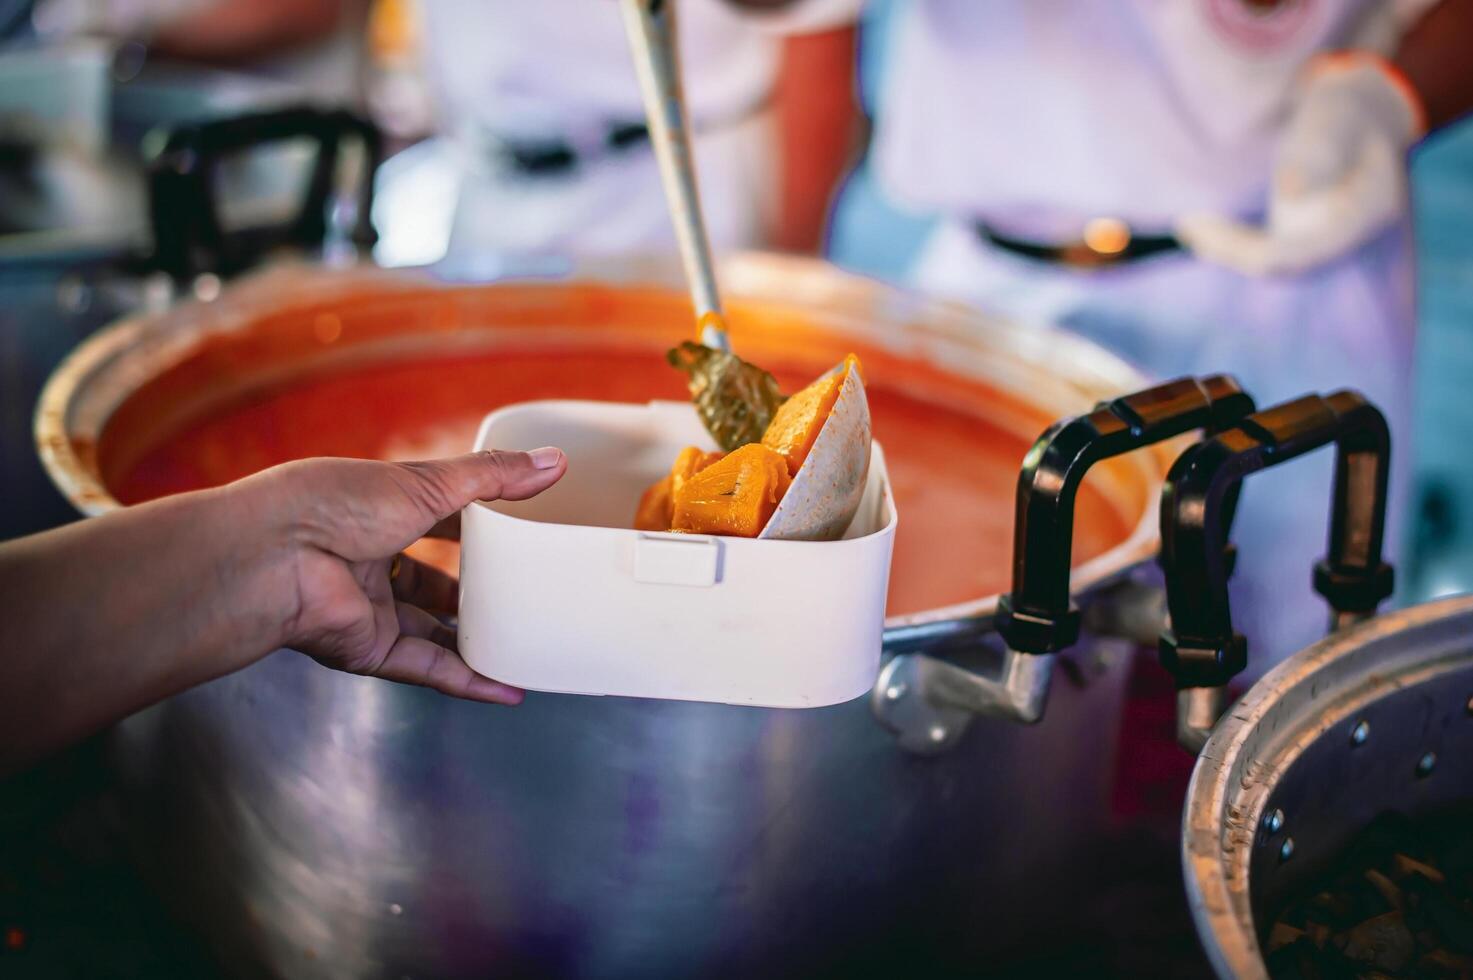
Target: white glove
x,y
1339,174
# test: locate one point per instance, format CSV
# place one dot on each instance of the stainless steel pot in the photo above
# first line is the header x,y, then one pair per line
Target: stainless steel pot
x,y
1375,718
317,824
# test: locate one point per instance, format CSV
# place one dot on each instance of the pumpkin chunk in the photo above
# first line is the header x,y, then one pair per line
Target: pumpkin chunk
x,y
691,461
657,506
797,423
734,496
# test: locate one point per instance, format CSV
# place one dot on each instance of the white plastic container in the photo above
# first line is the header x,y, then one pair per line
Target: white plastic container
x,y
558,594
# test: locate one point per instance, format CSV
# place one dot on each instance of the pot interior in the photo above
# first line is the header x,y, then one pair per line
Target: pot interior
x,y
1401,755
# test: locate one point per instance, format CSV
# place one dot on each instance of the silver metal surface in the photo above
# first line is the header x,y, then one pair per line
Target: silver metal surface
x,y
1283,784
928,703
288,810
651,27
1340,620
1197,712
316,824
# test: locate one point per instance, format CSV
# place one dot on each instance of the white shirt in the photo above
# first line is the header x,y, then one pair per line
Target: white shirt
x,y
562,68
1037,115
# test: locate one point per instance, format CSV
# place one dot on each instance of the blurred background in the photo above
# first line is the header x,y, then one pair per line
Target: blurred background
x,y
92,229
869,235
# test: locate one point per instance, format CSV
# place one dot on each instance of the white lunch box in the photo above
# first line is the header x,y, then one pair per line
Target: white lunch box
x,y
558,593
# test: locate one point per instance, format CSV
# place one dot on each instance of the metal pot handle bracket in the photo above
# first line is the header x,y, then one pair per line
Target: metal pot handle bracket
x,y
1200,648
189,238
927,701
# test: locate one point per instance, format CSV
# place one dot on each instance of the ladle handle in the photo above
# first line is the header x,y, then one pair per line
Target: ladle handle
x,y
1037,616
1201,648
651,27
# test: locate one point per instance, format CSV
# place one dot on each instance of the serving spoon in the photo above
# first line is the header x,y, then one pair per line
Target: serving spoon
x,y
737,400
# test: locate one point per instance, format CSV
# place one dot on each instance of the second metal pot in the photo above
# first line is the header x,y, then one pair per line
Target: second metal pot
x,y
1377,718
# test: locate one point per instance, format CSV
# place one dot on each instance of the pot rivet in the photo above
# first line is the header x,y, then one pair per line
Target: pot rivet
x,y
938,734
395,908
1360,732
1426,764
1469,705
1286,849
1273,821
895,692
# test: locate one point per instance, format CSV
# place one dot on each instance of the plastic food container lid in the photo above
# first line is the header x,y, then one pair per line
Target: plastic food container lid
x,y
559,594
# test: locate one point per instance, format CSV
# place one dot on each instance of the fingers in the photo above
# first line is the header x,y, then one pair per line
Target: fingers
x,y
424,585
415,660
417,622
364,511
523,475
443,486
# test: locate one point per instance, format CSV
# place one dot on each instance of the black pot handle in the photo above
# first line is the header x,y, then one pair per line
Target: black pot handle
x,y
1038,615
189,238
930,700
1201,649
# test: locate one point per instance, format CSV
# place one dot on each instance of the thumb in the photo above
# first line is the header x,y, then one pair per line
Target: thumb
x,y
447,485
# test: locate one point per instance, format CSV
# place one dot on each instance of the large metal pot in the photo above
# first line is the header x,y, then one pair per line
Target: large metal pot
x,y
318,824
1377,718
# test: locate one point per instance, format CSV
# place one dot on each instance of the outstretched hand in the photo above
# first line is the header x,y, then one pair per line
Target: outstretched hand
x,y
354,602
109,615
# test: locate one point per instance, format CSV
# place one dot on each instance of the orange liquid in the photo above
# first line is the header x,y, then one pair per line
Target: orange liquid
x,y
953,471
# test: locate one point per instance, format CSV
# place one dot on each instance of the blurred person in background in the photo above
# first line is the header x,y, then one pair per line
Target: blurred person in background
x,y
545,126
545,148
1203,185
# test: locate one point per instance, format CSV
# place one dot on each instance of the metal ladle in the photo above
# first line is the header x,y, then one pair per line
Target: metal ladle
x,y
737,400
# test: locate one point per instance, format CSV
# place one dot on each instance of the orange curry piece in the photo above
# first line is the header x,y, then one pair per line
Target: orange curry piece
x,y
739,495
735,495
798,422
657,507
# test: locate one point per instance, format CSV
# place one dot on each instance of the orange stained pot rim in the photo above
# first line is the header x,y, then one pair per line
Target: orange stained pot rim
x,y
147,379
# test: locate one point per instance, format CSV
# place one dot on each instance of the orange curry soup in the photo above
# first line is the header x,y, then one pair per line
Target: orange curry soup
x,y
954,469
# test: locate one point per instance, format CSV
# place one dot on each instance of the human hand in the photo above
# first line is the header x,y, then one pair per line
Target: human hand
x,y
353,602
1339,178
